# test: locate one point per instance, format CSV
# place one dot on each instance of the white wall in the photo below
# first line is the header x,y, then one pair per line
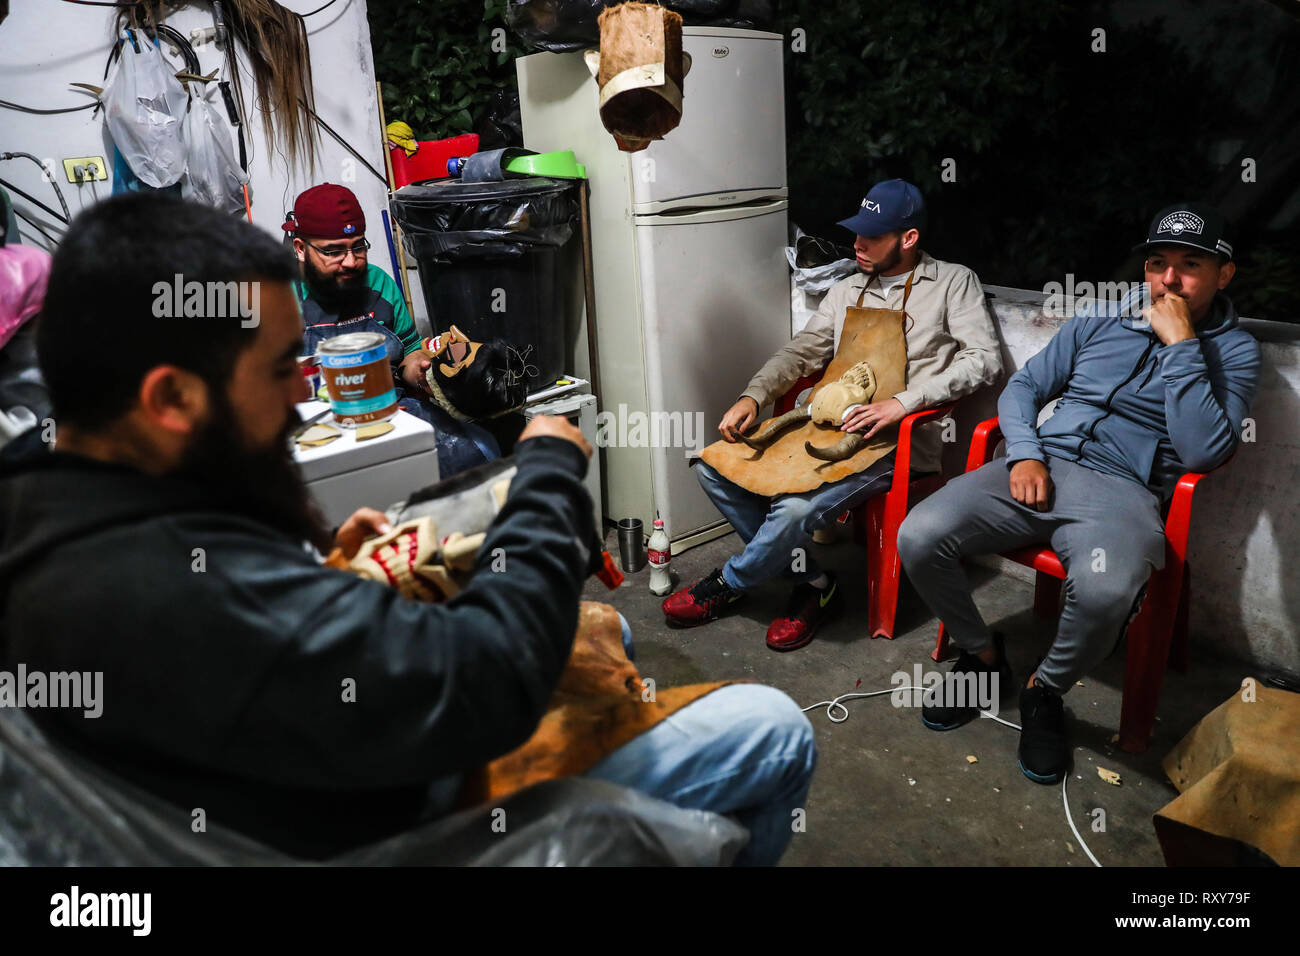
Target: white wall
x,y
46,45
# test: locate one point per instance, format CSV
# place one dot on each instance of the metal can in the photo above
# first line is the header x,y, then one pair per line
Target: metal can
x,y
358,378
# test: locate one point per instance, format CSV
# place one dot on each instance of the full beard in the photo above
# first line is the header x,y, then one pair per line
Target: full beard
x,y
261,483
344,297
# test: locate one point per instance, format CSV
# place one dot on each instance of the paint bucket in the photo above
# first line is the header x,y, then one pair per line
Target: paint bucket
x,y
358,378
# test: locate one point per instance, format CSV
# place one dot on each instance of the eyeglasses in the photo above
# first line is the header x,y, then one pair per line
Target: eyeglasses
x,y
358,249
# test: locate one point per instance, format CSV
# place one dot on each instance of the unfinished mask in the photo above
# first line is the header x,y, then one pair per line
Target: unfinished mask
x,y
472,380
857,386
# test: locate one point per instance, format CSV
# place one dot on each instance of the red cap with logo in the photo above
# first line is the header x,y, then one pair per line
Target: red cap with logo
x,y
326,211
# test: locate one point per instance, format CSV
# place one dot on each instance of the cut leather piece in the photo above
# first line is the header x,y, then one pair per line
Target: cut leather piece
x,y
374,430
460,551
499,491
874,336
318,435
318,443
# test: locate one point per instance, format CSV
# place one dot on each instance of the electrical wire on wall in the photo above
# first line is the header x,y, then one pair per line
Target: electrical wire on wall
x,y
39,227
313,13
67,216
39,112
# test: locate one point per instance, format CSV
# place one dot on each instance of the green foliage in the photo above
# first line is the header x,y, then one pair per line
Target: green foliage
x,y
436,61
1062,154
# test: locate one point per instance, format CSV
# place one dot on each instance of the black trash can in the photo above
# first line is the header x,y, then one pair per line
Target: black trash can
x,y
493,258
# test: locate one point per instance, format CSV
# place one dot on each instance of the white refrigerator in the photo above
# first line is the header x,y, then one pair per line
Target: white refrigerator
x,y
691,282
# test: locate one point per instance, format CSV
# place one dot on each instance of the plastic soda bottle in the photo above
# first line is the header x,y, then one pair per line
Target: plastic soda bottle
x,y
660,555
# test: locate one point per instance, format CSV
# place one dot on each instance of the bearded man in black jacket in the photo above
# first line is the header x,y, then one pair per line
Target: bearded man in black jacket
x,y
167,541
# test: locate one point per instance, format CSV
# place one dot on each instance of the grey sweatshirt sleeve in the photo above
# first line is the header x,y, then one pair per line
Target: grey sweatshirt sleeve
x,y
1205,412
1038,381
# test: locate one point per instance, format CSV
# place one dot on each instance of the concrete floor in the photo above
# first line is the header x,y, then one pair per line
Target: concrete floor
x,y
887,790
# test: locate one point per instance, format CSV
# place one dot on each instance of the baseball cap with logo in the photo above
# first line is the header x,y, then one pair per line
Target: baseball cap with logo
x,y
326,211
1193,224
890,206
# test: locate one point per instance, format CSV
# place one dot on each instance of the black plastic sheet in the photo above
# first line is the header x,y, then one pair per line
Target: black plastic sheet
x,y
502,123
563,25
447,220
58,809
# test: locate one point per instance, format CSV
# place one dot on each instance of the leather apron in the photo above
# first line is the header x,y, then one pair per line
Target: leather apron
x,y
876,336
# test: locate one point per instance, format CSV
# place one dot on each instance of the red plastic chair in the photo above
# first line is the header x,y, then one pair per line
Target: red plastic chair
x,y
1158,634
430,159
876,521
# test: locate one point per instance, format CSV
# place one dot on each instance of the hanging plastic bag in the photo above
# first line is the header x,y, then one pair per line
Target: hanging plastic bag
x,y
144,104
815,266
212,174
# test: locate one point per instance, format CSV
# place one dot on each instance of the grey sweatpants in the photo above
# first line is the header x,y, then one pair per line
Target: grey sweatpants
x,y
1106,530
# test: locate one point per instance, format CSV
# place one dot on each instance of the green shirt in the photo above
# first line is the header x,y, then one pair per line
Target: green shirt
x,y
385,307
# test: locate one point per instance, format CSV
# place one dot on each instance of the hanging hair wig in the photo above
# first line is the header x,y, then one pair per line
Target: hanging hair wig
x,y
274,39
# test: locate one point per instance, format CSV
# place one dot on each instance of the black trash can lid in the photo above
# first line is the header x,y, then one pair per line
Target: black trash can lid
x,y
439,191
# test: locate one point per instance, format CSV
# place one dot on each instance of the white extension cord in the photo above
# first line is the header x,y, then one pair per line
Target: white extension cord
x,y
831,706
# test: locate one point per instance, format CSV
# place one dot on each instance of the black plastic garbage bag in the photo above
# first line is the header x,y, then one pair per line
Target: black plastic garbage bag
x,y
493,261
58,809
448,220
563,25
501,124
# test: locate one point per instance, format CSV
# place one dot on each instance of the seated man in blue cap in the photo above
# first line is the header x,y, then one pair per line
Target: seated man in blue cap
x,y
1143,396
342,291
952,349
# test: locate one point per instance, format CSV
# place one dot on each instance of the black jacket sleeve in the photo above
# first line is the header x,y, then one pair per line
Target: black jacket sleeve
x,y
438,689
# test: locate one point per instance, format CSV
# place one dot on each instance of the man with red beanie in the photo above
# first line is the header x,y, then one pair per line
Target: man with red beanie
x,y
341,291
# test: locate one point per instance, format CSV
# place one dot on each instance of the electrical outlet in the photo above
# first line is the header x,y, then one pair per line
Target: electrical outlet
x,y
70,168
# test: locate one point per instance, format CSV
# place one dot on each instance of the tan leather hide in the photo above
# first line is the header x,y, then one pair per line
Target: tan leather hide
x,y
599,705
1238,776
784,467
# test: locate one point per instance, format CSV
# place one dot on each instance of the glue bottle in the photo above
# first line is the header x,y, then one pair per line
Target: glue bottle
x,y
659,552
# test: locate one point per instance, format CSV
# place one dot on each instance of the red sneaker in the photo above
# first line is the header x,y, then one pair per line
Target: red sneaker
x,y
701,602
807,609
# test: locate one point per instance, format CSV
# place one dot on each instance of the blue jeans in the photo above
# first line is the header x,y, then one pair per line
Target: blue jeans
x,y
744,750
460,445
773,528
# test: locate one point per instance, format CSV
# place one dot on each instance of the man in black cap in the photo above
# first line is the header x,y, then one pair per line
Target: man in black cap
x,y
1144,395
952,349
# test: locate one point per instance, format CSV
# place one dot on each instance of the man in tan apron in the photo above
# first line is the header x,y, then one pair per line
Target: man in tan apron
x,y
951,349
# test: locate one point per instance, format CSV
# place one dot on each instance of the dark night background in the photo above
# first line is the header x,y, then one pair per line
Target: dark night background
x,y
1062,153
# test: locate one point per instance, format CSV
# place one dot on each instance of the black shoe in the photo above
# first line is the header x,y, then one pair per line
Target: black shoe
x,y
1044,751
939,710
